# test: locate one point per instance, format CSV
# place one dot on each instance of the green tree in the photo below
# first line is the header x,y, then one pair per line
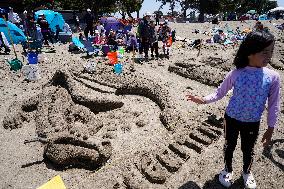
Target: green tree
x,y
222,6
171,2
159,13
129,6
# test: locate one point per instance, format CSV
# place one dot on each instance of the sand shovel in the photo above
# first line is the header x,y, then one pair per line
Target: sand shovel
x,y
15,64
199,48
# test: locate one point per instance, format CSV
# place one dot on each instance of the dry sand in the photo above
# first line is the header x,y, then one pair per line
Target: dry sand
x,y
135,130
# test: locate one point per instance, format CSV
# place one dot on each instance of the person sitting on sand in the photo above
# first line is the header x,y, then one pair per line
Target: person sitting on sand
x,y
258,26
111,40
220,37
253,84
97,38
103,37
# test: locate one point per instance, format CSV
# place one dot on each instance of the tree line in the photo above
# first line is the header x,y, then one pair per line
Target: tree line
x,y
98,7
127,7
219,6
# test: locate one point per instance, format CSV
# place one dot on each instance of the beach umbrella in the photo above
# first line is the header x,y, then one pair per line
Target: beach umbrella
x,y
53,18
277,9
251,12
16,33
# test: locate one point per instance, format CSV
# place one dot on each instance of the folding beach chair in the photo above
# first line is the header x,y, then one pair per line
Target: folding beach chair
x,y
90,49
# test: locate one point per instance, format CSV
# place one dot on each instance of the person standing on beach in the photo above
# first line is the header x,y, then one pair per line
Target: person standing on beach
x,y
157,17
45,30
89,19
13,17
253,83
154,40
145,35
165,34
76,21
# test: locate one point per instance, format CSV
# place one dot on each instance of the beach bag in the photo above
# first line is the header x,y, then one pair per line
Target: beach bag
x,y
31,72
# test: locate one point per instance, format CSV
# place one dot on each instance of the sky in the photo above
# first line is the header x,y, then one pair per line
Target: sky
x,y
152,5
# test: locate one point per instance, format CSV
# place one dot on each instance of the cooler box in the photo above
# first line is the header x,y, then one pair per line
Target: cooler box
x,y
64,37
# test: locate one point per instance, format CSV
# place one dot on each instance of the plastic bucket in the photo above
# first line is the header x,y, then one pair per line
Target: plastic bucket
x,y
112,56
118,68
15,64
121,50
32,58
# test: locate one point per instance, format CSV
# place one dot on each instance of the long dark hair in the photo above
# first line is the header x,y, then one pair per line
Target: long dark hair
x,y
254,43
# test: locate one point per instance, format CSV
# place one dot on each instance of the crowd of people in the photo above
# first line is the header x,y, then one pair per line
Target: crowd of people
x,y
143,40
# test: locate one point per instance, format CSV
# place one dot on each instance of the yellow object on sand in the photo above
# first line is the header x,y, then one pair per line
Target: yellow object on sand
x,y
247,30
55,183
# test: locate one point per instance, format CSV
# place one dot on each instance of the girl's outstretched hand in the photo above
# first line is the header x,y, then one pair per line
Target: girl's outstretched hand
x,y
195,99
266,139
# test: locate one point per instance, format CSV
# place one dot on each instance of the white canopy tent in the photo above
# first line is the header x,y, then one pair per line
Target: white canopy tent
x,y
280,9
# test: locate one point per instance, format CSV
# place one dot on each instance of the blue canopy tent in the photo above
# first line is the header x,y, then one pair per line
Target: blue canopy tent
x,y
53,18
263,17
17,34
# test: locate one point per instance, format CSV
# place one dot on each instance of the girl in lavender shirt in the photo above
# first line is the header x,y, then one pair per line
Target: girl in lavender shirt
x,y
253,84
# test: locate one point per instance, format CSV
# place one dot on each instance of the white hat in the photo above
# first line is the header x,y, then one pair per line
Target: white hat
x,y
88,10
147,14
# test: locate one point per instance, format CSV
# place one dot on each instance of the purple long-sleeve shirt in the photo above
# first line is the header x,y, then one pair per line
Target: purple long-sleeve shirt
x,y
251,88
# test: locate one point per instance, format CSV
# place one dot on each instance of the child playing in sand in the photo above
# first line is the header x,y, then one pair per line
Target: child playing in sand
x,y
252,85
97,39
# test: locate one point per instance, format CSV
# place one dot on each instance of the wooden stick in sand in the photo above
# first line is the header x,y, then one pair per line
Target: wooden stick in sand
x,y
199,48
132,62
